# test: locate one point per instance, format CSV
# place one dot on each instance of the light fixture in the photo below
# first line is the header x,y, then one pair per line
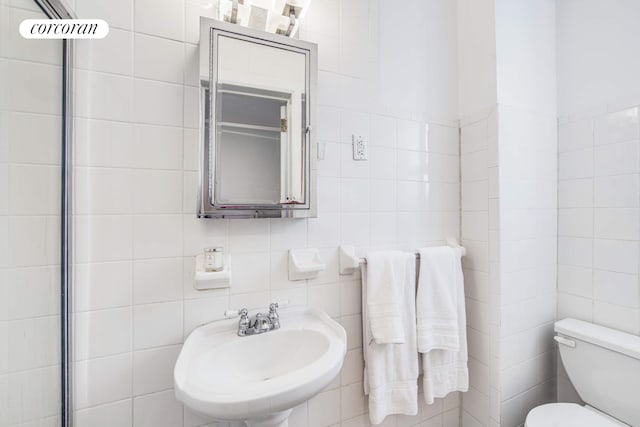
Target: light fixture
x,y
273,16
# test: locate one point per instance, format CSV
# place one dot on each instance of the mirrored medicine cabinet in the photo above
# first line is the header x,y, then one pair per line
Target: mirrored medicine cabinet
x,y
257,124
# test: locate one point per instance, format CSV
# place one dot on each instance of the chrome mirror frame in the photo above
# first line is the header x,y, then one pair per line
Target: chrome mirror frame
x,y
207,208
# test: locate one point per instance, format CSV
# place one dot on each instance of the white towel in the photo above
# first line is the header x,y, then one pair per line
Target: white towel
x,y
384,296
441,322
391,370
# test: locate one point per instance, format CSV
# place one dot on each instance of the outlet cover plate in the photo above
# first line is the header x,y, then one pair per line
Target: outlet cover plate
x,y
359,147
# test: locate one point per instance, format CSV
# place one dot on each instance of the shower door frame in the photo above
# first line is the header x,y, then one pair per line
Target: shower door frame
x,y
55,9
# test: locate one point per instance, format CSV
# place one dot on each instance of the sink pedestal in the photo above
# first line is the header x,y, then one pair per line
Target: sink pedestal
x,y
279,419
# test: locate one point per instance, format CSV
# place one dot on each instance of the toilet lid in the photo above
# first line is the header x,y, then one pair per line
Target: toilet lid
x,y
567,415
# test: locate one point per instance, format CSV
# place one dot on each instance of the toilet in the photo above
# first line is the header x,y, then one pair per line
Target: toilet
x,y
604,366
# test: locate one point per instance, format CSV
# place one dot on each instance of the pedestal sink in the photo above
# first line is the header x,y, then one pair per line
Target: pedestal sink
x,y
259,379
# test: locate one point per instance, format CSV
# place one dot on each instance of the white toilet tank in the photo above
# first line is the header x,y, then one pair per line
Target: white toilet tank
x,y
604,367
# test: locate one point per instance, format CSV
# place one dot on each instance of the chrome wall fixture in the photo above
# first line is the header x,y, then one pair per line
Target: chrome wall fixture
x,y
55,9
273,16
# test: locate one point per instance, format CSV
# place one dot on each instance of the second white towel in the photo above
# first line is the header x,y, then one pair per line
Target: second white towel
x,y
441,322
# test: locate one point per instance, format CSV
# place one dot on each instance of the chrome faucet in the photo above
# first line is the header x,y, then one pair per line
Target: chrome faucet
x,y
262,323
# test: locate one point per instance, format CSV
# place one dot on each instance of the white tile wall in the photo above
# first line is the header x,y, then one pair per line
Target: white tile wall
x,y
112,414
599,280
509,210
30,131
527,186
479,236
136,230
528,255
599,229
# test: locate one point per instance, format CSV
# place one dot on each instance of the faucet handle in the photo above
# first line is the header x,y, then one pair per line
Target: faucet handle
x,y
245,323
274,317
230,314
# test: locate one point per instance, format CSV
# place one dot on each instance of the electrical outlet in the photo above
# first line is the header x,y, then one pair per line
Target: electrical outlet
x,y
359,147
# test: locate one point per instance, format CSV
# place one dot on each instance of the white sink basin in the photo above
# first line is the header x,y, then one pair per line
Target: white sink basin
x,y
259,378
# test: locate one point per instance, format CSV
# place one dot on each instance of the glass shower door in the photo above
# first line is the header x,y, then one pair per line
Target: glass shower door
x,y
31,141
